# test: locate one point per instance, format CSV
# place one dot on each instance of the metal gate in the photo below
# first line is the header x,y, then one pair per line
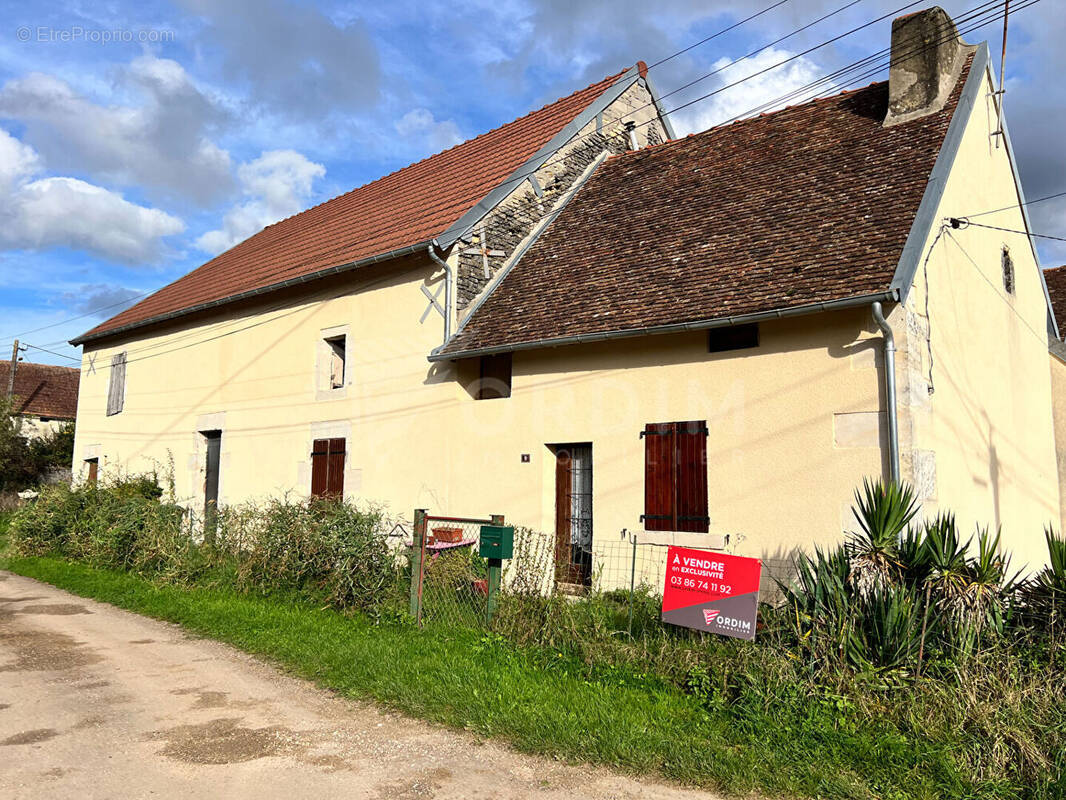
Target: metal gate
x,y
449,578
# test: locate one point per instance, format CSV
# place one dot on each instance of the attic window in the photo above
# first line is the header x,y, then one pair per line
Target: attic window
x,y
495,379
734,337
1008,271
337,346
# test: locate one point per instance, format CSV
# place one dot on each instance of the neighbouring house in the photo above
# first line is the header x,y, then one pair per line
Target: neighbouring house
x,y
1055,278
45,397
585,324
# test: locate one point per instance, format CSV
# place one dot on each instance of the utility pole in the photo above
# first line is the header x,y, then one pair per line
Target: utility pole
x,y
1002,62
14,366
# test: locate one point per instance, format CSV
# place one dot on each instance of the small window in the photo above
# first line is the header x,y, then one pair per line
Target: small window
x,y
675,477
116,390
337,346
93,465
1008,271
734,337
495,379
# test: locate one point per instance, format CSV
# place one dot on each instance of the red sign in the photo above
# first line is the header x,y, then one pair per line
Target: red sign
x,y
711,591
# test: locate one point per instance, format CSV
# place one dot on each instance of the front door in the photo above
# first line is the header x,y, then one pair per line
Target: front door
x,y
573,514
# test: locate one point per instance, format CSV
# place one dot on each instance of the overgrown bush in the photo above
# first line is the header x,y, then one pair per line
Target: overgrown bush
x,y
328,551
24,463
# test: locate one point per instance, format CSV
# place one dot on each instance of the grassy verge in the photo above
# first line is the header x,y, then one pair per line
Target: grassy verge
x,y
546,703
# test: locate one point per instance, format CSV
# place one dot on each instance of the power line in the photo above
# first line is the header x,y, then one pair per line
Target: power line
x,y
82,316
1015,205
52,352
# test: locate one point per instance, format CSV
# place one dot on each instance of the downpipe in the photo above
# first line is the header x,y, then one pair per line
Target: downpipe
x,y
432,250
890,389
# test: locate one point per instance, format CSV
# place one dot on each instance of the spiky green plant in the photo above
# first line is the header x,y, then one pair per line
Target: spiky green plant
x,y
883,512
891,620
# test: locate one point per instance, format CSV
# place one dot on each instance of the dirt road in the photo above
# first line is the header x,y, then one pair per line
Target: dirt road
x,y
96,702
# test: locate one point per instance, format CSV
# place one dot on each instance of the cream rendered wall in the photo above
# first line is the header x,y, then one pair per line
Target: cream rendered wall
x,y
794,424
979,439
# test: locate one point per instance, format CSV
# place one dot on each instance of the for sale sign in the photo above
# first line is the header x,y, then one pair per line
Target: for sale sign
x,y
711,592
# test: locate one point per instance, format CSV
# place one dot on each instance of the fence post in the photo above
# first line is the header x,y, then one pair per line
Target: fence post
x,y
495,569
632,579
418,564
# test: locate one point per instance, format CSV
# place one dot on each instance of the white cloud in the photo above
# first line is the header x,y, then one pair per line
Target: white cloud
x,y
277,185
161,146
41,213
419,123
742,99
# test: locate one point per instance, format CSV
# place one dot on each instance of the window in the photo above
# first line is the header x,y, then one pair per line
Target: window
x,y
337,346
675,477
213,442
734,337
1008,271
495,379
327,468
93,465
116,390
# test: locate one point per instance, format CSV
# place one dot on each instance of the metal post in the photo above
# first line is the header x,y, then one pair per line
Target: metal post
x,y
495,572
632,579
418,564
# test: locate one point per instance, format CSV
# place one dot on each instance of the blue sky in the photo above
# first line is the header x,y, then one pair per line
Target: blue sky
x,y
139,139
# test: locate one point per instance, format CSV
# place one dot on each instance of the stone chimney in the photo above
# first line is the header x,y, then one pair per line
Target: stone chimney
x,y
927,57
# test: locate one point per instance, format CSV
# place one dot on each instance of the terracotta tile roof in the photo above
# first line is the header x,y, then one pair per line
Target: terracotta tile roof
x,y
43,390
407,207
1055,278
809,204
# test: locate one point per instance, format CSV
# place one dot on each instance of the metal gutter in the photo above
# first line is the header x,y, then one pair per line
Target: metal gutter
x,y
516,256
677,327
462,225
273,287
890,390
927,215
432,250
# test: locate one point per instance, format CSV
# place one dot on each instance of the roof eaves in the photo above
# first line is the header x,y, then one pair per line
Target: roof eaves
x,y
678,327
926,216
300,279
467,221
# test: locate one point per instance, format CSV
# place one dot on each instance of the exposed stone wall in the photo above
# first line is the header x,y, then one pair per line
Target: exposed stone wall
x,y
492,241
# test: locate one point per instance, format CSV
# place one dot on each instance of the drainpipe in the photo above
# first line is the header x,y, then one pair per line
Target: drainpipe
x,y
432,250
890,389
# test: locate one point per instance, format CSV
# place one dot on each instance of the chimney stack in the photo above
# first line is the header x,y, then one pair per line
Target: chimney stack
x,y
631,132
927,57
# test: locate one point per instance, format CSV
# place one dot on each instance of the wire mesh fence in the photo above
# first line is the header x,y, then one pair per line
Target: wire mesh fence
x,y
452,583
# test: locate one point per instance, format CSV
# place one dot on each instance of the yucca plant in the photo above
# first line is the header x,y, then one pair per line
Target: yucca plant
x,y
821,605
883,512
1053,575
891,619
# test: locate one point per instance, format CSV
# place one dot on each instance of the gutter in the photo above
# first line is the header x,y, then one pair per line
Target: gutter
x,y
890,389
679,327
273,287
431,248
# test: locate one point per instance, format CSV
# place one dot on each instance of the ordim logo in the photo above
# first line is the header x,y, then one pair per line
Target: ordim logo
x,y
714,618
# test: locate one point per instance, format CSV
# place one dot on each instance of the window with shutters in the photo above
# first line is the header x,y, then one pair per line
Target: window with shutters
x,y
327,468
675,477
337,355
116,389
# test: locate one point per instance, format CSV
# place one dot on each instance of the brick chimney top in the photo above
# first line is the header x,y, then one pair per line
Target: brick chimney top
x,y
927,57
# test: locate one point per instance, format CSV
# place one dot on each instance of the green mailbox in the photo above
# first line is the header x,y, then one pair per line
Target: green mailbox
x,y
497,541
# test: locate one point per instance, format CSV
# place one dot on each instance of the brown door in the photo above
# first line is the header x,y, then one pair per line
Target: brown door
x,y
573,514
94,470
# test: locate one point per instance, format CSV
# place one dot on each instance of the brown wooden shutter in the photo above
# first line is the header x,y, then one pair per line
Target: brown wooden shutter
x,y
675,477
659,511
691,484
319,467
335,477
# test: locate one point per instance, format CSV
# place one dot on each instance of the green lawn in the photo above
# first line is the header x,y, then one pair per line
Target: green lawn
x,y
549,704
